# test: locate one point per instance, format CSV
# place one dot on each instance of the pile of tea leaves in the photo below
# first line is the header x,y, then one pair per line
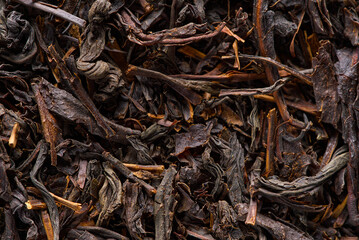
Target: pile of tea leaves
x,y
182,119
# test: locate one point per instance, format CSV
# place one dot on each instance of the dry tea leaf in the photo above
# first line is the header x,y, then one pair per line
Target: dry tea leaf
x,y
197,135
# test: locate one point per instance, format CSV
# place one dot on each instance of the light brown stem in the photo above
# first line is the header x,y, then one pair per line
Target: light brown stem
x,y
14,135
307,107
35,204
74,206
272,121
252,212
150,168
47,224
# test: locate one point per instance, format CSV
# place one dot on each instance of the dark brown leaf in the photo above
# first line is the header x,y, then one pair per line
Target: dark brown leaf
x,y
325,84
197,135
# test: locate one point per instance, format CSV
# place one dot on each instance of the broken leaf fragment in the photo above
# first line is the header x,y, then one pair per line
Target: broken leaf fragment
x,y
197,135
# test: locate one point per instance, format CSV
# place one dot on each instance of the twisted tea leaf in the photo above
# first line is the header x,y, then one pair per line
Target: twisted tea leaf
x,y
19,35
18,207
49,200
110,194
305,184
234,163
103,73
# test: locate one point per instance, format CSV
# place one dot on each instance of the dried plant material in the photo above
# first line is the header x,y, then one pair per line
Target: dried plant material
x,y
47,225
292,51
103,73
49,124
191,52
68,107
291,154
228,31
236,64
177,36
253,203
225,223
10,231
252,212
31,157
134,209
144,175
230,116
110,195
272,122
325,84
340,208
127,173
181,87
103,232
197,135
80,92
347,70
306,107
351,31
14,135
277,229
158,169
320,19
49,200
257,91
272,62
165,204
234,170
5,189
142,151
74,206
232,76
81,177
56,11
19,34
303,184
265,43
178,119
34,204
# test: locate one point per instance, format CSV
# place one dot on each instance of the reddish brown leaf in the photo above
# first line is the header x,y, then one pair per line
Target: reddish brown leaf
x,y
50,128
197,135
